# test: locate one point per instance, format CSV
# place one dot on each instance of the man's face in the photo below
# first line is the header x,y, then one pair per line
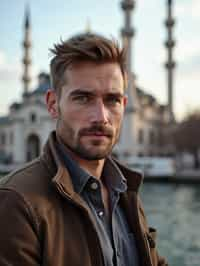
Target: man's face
x,y
90,109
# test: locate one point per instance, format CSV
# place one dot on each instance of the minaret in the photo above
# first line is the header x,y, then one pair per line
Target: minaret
x,y
170,64
128,31
127,138
88,26
26,59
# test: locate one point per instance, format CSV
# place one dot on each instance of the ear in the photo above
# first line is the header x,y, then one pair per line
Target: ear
x,y
125,100
52,103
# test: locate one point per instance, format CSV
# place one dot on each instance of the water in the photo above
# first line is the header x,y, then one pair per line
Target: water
x,y
175,212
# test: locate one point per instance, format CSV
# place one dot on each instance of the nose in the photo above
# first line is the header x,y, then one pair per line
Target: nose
x,y
99,112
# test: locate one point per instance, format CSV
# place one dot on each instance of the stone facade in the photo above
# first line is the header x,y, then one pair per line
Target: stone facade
x,y
25,130
144,129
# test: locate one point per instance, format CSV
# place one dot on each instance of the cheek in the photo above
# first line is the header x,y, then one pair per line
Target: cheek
x,y
68,112
80,118
118,125
74,119
117,118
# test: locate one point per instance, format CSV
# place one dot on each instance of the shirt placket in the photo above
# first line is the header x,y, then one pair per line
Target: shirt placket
x,y
96,203
114,202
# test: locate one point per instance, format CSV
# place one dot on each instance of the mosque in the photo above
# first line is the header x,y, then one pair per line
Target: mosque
x,y
25,129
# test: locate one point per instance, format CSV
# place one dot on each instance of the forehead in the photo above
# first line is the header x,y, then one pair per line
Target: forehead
x,y
103,76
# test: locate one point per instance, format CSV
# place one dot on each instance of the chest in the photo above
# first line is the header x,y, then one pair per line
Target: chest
x,y
70,235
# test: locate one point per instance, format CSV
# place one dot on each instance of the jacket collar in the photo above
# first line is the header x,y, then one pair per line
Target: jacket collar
x,y
61,176
134,178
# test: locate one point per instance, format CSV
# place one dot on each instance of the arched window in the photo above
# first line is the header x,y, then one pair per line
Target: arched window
x,y
151,137
11,138
2,138
33,147
33,117
140,136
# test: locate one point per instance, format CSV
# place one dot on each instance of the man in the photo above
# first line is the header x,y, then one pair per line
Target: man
x,y
75,205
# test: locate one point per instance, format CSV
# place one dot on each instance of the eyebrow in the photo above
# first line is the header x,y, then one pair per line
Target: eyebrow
x,y
81,92
116,94
90,93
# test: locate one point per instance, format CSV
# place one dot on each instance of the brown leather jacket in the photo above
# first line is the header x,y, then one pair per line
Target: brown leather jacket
x,y
44,222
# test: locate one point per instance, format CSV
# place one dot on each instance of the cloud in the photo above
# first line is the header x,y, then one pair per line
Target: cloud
x,y
187,48
187,93
9,81
190,65
11,86
188,8
187,57
9,71
2,58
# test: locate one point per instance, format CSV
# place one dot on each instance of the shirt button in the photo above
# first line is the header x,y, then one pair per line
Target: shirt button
x,y
118,253
94,186
101,213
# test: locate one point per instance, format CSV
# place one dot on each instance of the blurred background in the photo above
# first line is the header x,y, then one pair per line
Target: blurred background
x,y
161,130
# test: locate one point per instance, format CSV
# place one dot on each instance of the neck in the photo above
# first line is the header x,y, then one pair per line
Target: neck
x,y
93,167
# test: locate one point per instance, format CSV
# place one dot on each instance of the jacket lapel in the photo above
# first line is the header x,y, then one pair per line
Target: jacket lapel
x,y
129,200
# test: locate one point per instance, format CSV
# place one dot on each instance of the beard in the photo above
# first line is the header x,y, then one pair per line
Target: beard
x,y
91,149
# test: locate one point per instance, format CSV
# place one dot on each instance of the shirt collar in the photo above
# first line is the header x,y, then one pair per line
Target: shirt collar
x,y
111,173
78,175
113,176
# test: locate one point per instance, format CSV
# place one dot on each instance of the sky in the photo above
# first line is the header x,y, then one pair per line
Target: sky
x,y
52,20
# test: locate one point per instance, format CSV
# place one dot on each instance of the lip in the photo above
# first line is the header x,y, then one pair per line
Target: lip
x,y
97,134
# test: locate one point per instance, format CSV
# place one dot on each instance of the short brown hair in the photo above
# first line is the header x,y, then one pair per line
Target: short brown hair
x,y
84,47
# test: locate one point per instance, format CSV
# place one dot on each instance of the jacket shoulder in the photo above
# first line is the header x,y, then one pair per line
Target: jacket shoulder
x,y
32,182
27,174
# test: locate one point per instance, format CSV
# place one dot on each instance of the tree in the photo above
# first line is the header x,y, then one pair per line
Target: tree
x,y
187,136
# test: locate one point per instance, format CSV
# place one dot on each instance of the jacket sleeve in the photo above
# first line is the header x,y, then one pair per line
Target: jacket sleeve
x,y
151,238
19,244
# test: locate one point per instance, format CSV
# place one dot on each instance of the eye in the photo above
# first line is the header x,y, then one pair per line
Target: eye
x,y
114,100
81,99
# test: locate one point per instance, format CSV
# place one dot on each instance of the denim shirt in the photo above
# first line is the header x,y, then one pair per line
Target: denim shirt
x,y
117,242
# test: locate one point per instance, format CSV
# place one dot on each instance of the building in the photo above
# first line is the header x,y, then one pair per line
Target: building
x,y
25,129
146,120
